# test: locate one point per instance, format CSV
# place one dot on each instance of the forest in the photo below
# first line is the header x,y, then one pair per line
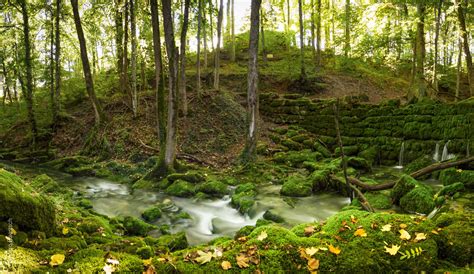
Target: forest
x,y
255,136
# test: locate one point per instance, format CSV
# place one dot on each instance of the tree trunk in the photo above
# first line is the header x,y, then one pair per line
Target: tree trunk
x,y
436,39
198,50
313,32
262,33
133,32
182,83
458,71
52,93
159,79
85,64
300,14
57,61
252,84
318,33
288,24
126,83
218,47
119,42
232,56
29,74
204,33
465,42
420,87
170,152
347,31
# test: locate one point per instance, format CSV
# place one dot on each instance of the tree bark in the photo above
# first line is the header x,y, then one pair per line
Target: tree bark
x,y
300,13
57,60
218,47
458,71
126,82
133,32
182,82
252,83
198,50
318,33
347,31
52,67
119,41
85,64
262,34
204,33
170,152
420,86
436,39
313,32
232,56
465,41
343,158
29,73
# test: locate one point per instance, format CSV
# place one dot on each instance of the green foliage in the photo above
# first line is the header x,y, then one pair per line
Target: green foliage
x,y
297,186
134,226
181,188
151,214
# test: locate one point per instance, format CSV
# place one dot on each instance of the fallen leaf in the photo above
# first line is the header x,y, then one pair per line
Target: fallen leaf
x,y
303,253
226,265
12,231
353,219
403,226
263,235
204,257
242,239
65,230
434,232
242,261
57,259
404,235
386,227
311,250
420,236
147,262
113,261
334,250
309,230
360,232
374,225
392,250
313,264
108,269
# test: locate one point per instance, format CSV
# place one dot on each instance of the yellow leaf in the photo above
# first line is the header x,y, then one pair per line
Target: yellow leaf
x,y
334,250
403,226
242,261
262,236
386,227
12,231
420,236
353,219
404,235
108,268
65,230
204,257
392,250
311,250
309,230
459,170
226,265
434,232
360,232
147,262
57,259
313,264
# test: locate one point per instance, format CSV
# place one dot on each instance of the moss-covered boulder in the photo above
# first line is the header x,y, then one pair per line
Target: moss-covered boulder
x,y
28,209
193,176
453,175
296,158
319,179
359,164
181,188
317,146
404,185
297,186
418,164
378,200
270,216
419,200
134,226
45,184
213,188
244,197
370,154
151,214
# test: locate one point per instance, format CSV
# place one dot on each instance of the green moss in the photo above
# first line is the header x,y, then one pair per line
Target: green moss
x,y
450,190
418,164
20,260
348,150
45,184
244,197
378,200
270,216
94,224
172,242
85,203
456,242
419,199
151,214
369,154
404,185
143,184
317,146
452,175
134,226
27,209
213,188
297,186
145,252
181,188
359,164
319,179
193,176
296,158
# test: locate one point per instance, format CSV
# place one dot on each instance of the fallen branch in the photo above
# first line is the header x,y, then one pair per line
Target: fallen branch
x,y
360,196
344,163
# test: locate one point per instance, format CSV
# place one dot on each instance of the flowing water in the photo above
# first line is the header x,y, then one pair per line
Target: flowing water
x,y
436,153
400,156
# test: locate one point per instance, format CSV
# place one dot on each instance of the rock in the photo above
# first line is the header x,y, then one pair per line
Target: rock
x,y
270,216
193,176
134,226
213,188
369,154
181,188
419,200
296,158
244,197
359,164
452,175
348,150
45,184
317,146
297,186
418,164
404,185
27,209
151,214
145,252
450,190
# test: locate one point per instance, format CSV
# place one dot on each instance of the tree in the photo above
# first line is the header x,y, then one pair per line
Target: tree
x,y
119,41
182,82
133,32
436,39
85,64
218,47
252,83
465,41
300,13
57,61
29,73
420,87
318,33
232,17
198,50
347,30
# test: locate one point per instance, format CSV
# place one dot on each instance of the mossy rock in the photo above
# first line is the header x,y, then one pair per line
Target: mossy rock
x,y
85,203
193,176
296,158
359,164
418,164
450,190
172,242
135,226
297,186
213,188
151,214
27,209
348,150
94,224
145,252
319,179
317,146
181,188
452,175
419,200
270,216
404,185
60,244
244,197
369,154
43,183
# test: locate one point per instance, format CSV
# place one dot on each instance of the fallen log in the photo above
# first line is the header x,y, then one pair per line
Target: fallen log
x,y
416,174
360,196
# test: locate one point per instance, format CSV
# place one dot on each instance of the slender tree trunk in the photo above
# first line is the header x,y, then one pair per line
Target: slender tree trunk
x,y
288,24
29,73
458,71
347,31
182,83
57,61
218,47
133,32
300,13
126,82
85,64
198,50
204,33
228,23
170,152
119,42
465,41
262,35
211,25
232,56
313,32
420,52
252,82
52,93
318,33
436,39
159,81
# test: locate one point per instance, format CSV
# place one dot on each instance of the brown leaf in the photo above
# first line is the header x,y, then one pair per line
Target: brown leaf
x,y
403,226
242,261
374,225
226,265
353,219
313,264
309,230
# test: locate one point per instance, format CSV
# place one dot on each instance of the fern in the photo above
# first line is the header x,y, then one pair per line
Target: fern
x,y
411,253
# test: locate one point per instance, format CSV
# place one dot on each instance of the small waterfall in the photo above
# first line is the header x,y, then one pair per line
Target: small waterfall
x,y
436,153
433,213
446,156
400,156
